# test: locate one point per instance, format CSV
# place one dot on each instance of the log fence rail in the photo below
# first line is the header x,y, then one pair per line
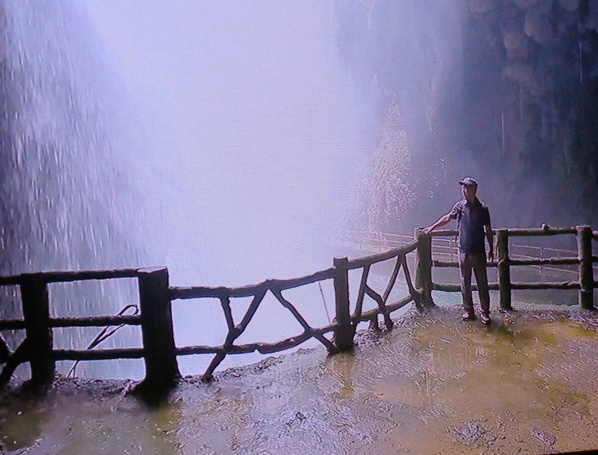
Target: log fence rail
x,y
156,298
582,258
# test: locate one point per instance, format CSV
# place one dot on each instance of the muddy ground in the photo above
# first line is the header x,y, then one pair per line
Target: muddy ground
x,y
434,385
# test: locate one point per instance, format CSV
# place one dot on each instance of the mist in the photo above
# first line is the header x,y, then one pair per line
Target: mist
x,y
244,131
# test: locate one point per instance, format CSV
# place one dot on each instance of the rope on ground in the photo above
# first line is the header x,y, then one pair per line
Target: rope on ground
x,y
105,334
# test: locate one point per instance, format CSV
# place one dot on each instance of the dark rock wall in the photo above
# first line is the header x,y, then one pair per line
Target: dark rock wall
x,y
507,90
533,67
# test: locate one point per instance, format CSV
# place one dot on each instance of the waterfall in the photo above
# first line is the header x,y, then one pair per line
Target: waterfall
x,y
221,142
66,203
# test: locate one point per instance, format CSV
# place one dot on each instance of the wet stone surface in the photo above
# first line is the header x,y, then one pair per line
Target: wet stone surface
x,y
434,385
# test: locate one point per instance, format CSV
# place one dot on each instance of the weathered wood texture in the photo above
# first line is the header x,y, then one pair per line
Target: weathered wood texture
x,y
98,354
36,312
343,332
235,330
198,292
262,348
586,271
384,307
161,368
504,268
68,276
344,324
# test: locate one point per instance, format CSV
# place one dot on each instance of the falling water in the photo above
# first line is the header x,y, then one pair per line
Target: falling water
x,y
255,135
66,203
221,142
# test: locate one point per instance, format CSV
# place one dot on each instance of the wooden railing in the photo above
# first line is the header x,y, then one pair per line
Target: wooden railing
x,y
445,247
156,322
582,258
345,321
235,330
155,319
399,256
156,296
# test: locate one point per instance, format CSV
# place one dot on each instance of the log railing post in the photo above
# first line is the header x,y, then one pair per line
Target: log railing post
x,y
423,271
586,271
161,367
504,268
344,330
36,312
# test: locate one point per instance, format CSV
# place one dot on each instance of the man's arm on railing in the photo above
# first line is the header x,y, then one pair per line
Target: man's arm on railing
x,y
439,223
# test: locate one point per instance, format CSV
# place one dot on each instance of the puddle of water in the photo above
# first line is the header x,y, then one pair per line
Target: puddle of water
x,y
433,385
520,375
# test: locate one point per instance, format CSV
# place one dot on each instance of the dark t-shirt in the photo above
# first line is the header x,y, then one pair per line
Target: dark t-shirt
x,y
472,217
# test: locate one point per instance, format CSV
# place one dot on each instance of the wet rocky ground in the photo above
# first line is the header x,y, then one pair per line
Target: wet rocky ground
x,y
434,385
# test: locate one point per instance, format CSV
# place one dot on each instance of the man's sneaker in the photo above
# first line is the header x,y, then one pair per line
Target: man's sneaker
x,y
468,316
485,318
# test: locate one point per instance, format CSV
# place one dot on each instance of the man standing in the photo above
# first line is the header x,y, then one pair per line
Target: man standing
x,y
473,220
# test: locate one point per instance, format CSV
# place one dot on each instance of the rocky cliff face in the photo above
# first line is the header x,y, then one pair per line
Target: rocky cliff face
x,y
535,68
505,89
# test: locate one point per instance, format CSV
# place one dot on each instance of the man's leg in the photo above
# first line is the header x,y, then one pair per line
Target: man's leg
x,y
465,266
481,278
